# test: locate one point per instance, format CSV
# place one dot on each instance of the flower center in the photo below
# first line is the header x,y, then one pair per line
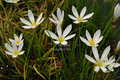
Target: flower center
x,y
17,41
15,0
60,22
60,39
91,41
33,23
15,52
99,63
79,19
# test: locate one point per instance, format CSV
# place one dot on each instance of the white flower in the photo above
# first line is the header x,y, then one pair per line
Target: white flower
x,y
112,65
99,62
12,1
117,48
80,18
59,18
17,39
61,37
14,51
92,41
32,23
116,12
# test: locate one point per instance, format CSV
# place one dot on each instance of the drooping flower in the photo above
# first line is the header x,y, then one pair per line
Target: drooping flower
x,y
116,12
12,1
99,62
117,48
61,37
17,39
80,18
32,23
13,50
59,18
113,64
92,41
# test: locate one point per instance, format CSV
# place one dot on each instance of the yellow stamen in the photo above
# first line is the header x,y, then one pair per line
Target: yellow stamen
x,y
91,41
79,19
16,52
17,41
60,39
33,23
15,0
99,63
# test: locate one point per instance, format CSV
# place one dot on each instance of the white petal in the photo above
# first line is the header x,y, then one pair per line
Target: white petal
x,y
88,35
11,40
8,47
14,56
39,18
82,13
33,26
52,20
20,46
14,45
67,30
103,69
64,43
27,27
62,16
25,21
96,35
72,17
9,53
97,41
20,36
76,22
85,41
84,20
95,52
56,42
30,15
88,16
115,65
59,30
90,58
96,68
70,36
15,36
58,13
110,68
75,11
51,34
54,17
40,21
105,52
22,52
108,62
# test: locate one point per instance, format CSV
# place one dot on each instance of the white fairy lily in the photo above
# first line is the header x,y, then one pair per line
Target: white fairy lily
x,y
80,18
12,1
14,50
112,65
59,18
99,62
32,23
116,12
61,37
17,39
92,41
117,48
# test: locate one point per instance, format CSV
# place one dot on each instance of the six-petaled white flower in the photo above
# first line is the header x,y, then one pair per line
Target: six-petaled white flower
x,y
17,39
80,18
12,1
33,24
92,41
116,12
99,62
61,37
14,50
59,18
112,65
